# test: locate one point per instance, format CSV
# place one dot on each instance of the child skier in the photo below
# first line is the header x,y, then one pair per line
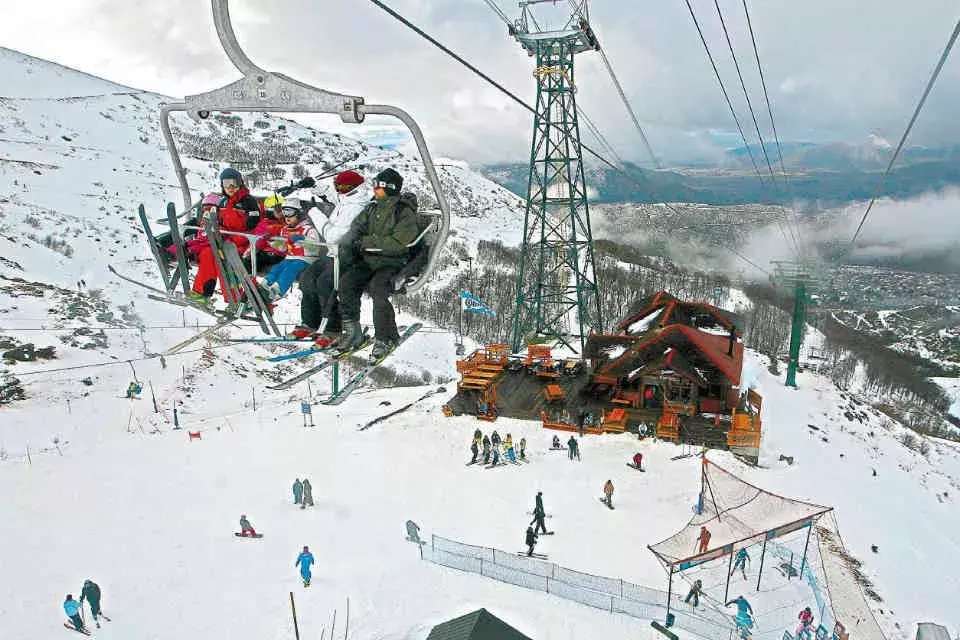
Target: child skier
x,y
531,540
305,561
301,244
72,608
696,590
806,623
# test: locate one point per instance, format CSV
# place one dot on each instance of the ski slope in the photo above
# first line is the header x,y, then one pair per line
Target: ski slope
x,y
149,514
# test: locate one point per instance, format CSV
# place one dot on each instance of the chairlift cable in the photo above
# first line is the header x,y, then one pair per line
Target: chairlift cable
x,y
903,139
773,125
523,104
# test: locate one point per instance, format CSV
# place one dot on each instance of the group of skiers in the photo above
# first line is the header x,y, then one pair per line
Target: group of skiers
x,y
302,493
370,233
74,608
491,447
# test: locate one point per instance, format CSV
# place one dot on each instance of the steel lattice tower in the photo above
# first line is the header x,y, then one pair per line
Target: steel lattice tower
x,y
557,293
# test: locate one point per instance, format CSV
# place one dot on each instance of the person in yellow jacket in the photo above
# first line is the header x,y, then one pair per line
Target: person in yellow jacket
x,y
508,448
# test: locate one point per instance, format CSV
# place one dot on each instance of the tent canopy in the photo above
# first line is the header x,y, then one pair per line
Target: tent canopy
x,y
737,514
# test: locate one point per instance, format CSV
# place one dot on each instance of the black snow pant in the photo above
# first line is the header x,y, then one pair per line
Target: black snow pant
x,y
316,285
94,608
377,282
77,621
540,526
529,549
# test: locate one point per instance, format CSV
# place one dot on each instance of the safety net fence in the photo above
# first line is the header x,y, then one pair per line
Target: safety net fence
x,y
610,594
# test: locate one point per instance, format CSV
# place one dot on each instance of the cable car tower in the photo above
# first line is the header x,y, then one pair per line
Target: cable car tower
x,y
557,294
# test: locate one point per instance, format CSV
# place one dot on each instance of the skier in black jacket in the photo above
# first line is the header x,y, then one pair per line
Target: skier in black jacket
x,y
91,593
531,540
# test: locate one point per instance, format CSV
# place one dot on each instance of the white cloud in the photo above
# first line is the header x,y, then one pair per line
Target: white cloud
x,y
833,70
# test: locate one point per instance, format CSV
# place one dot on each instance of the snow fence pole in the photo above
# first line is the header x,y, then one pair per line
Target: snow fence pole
x,y
293,610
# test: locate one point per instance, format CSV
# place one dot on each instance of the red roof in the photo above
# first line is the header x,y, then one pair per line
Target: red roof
x,y
713,347
671,304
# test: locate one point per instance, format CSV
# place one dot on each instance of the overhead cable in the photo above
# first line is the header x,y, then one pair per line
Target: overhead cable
x,y
913,119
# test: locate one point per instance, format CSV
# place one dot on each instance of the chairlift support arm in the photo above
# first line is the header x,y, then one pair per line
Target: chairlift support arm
x,y
265,91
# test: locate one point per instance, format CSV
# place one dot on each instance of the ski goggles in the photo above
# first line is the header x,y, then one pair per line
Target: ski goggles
x,y
380,184
290,212
231,182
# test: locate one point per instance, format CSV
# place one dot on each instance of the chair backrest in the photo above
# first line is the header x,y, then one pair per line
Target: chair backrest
x,y
418,251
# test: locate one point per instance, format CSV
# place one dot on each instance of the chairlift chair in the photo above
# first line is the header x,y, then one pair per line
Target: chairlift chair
x,y
265,91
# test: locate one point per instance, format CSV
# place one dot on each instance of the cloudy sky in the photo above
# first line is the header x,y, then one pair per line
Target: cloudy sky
x,y
837,70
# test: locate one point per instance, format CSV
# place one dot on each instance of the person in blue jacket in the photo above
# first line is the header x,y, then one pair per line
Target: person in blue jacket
x,y
305,560
72,609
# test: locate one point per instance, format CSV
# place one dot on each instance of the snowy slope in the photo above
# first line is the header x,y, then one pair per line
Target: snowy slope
x,y
97,486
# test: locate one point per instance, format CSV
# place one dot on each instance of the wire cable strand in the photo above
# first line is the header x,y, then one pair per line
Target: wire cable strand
x,y
903,139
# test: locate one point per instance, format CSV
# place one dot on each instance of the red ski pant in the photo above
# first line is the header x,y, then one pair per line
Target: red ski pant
x,y
248,532
207,274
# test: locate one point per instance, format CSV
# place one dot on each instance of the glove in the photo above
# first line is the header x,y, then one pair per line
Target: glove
x,y
297,237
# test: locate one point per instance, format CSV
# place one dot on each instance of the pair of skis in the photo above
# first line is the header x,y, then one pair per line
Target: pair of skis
x,y
303,375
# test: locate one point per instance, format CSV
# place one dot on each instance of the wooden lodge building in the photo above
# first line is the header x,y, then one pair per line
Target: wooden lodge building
x,y
671,367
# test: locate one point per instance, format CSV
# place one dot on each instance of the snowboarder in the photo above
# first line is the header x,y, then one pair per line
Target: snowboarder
x,y
638,461
739,562
307,494
556,442
474,450
413,532
246,529
297,491
72,609
703,539
608,493
486,450
696,590
531,540
305,560
523,449
91,593
806,623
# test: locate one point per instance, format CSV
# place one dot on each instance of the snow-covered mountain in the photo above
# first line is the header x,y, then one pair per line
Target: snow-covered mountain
x,y
99,486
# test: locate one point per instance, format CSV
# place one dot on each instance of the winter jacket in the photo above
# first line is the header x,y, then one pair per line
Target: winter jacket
x,y
268,228
531,537
304,560
71,607
90,592
232,216
806,618
388,225
245,525
349,206
608,488
538,503
637,459
303,242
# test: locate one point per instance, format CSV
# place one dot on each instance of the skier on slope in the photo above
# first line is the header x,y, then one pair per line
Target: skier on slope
x,y
486,450
523,448
806,623
305,561
91,593
556,442
740,562
608,493
297,491
538,502
744,617
638,461
474,450
531,540
703,539
72,608
246,529
538,516
508,449
495,439
696,590
307,494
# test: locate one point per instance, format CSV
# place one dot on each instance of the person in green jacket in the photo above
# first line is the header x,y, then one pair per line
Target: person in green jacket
x,y
372,253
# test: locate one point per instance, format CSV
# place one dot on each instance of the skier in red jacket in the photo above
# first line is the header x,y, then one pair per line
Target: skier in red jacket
x,y
233,215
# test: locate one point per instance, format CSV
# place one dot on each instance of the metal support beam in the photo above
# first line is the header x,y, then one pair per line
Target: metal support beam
x,y
803,562
763,553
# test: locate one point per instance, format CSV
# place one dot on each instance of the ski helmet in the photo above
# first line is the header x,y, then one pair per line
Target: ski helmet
x,y
211,200
292,207
231,174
